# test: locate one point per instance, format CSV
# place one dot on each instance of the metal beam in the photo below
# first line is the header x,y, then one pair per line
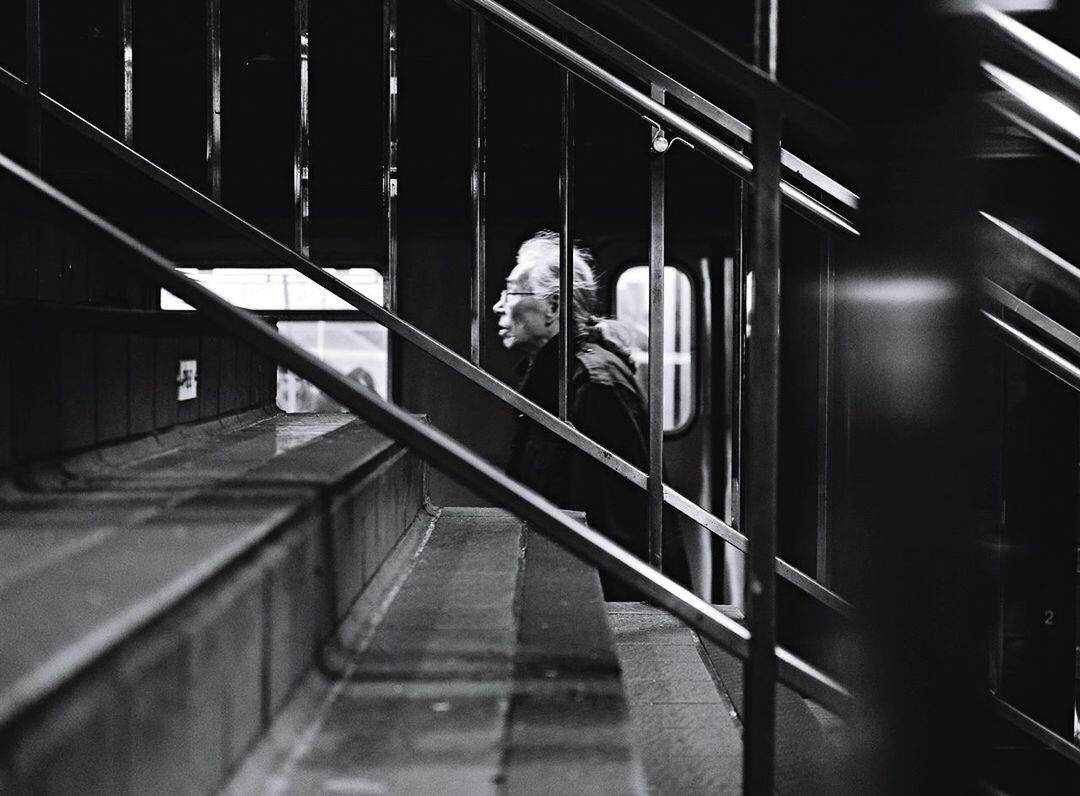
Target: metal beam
x,y
656,348
761,433
213,98
478,180
566,241
301,154
127,49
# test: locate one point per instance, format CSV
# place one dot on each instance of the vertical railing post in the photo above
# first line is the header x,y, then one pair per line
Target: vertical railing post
x,y
566,242
478,179
127,50
33,85
390,182
656,350
301,208
761,430
823,569
213,98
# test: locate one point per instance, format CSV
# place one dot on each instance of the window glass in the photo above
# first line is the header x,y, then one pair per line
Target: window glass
x,y
356,348
632,308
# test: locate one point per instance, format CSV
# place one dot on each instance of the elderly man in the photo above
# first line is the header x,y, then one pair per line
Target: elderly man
x,y
605,404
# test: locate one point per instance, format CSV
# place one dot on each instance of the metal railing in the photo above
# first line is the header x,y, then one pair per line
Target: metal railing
x,y
436,447
283,254
721,119
760,423
1068,371
616,88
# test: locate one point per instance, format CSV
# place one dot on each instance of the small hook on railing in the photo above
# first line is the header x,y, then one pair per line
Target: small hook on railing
x,y
661,143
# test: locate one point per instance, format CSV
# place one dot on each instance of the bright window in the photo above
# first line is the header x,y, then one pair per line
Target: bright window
x,y
356,348
632,308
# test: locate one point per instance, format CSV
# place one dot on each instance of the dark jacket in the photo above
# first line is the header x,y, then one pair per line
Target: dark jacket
x,y
607,406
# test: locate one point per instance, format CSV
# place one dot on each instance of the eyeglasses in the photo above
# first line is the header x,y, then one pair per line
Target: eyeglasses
x,y
505,293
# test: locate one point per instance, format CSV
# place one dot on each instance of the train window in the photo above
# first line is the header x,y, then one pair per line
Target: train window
x,y
357,348
632,308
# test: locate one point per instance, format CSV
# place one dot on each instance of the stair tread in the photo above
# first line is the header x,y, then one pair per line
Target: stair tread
x,y
682,722
101,554
477,679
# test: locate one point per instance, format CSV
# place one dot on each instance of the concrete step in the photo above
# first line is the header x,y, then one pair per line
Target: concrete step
x,y
161,598
486,667
686,702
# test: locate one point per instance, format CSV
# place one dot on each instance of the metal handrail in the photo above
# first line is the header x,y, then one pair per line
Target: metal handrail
x,y
614,52
1025,723
1056,58
425,343
1040,321
466,467
1062,276
705,54
1041,355
624,93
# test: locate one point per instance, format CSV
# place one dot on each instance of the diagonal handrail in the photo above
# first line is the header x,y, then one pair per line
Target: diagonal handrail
x,y
611,51
718,63
440,449
1063,746
424,342
570,59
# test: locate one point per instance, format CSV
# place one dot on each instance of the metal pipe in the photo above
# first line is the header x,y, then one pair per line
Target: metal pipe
x,y
301,210
566,242
656,349
414,336
301,154
1034,729
626,94
390,187
762,430
439,449
1027,346
1045,324
213,98
1059,60
33,85
478,175
1045,106
127,45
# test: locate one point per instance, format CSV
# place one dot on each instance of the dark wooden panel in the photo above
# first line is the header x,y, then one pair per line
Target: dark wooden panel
x,y
78,394
187,347
209,376
165,367
77,267
35,394
141,384
50,285
7,357
5,246
229,399
22,270
112,387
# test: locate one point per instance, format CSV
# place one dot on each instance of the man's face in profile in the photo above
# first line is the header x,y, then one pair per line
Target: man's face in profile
x,y
526,321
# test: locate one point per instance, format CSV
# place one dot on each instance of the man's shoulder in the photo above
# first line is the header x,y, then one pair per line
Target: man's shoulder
x,y
601,366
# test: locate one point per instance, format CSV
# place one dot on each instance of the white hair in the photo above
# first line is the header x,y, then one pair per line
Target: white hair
x,y
540,256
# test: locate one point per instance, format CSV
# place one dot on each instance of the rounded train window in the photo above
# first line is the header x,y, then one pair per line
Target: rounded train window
x,y
632,308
